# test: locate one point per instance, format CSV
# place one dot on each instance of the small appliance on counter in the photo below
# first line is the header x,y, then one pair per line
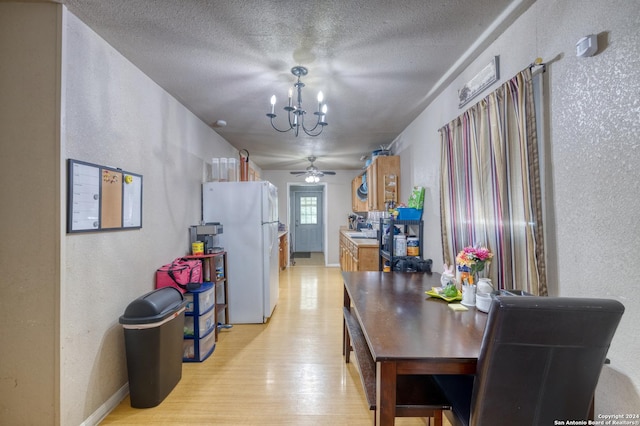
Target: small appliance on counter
x,y
208,235
354,220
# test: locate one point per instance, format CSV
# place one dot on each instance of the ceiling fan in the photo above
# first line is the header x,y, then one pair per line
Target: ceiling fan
x,y
312,171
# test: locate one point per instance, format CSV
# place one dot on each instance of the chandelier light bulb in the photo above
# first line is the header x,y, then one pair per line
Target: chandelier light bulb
x,y
273,103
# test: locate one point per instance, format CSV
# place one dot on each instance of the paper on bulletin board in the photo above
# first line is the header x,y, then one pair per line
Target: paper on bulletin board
x,y
111,208
85,208
132,201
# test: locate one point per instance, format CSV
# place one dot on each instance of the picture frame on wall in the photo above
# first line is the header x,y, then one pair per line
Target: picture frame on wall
x,y
486,77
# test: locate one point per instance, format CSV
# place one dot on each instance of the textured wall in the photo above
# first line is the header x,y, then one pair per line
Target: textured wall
x,y
593,164
115,115
595,142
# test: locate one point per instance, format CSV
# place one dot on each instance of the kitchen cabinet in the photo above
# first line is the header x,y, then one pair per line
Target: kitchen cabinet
x,y
284,250
383,182
358,254
357,204
253,174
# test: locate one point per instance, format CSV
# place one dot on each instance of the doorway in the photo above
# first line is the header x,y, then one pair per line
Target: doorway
x,y
306,218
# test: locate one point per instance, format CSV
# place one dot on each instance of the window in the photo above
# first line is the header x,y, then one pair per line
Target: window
x,y
490,186
308,210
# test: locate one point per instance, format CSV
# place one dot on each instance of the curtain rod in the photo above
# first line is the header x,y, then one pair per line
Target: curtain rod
x,y
538,63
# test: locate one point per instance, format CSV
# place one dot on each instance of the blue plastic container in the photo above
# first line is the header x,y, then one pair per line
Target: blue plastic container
x,y
409,213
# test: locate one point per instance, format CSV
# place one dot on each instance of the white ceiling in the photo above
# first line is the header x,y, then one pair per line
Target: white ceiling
x,y
378,62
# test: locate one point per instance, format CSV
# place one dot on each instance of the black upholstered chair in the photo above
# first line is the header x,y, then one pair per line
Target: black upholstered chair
x,y
540,361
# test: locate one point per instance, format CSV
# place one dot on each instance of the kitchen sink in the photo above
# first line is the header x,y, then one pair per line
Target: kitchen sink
x,y
361,234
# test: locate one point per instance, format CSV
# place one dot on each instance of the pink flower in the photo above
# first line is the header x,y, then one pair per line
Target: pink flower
x,y
472,259
483,254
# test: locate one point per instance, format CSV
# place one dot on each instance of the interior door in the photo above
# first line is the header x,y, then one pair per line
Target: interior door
x,y
308,221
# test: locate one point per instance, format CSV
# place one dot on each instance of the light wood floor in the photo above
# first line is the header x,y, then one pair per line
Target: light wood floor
x,y
289,371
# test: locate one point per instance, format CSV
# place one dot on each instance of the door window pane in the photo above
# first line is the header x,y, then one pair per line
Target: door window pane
x,y
308,210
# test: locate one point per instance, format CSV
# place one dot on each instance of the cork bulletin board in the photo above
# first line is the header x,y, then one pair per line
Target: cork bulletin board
x,y
101,198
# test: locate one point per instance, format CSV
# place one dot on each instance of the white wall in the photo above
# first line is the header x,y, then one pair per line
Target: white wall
x,y
594,164
115,115
68,94
338,206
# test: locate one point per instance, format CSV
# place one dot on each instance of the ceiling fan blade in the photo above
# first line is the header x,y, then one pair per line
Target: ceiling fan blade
x,y
298,173
328,172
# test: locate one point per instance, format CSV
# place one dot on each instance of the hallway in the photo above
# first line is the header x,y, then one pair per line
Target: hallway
x,y
289,371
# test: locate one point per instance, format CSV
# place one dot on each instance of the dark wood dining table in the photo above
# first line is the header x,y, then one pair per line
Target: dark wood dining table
x,y
409,332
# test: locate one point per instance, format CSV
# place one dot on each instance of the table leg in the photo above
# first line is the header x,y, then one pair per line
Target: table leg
x,y
386,377
346,344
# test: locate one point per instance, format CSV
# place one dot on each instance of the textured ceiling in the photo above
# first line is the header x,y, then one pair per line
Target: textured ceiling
x,y
378,63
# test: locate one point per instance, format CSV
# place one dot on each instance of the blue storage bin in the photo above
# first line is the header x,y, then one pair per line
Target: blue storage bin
x,y
409,213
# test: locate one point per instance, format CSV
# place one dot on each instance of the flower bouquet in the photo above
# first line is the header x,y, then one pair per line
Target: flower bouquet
x,y
470,261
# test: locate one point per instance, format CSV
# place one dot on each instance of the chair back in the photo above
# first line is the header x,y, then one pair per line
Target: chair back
x,y
541,358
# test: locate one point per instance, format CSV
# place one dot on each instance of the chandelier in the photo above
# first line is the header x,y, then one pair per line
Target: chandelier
x,y
296,113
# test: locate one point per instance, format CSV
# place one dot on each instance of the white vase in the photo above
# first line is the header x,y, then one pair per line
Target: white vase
x,y
484,285
468,295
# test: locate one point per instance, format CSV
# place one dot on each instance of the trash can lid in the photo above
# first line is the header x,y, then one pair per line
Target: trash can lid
x,y
153,306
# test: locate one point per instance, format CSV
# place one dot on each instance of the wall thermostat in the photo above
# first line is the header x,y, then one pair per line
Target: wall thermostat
x,y
587,46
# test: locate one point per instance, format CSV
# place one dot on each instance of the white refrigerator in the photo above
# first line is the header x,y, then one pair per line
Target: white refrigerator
x,y
248,212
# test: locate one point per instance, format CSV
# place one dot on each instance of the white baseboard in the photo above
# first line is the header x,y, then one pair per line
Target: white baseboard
x,y
111,403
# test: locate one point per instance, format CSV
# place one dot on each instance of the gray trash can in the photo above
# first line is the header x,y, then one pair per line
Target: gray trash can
x,y
153,334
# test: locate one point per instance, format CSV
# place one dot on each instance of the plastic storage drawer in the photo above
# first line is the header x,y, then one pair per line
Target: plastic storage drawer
x,y
205,298
198,349
205,324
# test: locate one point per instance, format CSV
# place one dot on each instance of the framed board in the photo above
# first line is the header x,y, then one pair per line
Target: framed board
x,y
486,77
101,198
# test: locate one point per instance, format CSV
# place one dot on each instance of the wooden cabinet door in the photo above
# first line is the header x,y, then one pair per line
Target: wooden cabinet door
x,y
284,248
372,183
383,182
357,205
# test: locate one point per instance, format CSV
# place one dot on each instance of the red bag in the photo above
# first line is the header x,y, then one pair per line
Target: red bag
x,y
179,273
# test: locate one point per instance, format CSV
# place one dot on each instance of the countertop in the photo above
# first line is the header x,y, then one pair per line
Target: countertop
x,y
360,242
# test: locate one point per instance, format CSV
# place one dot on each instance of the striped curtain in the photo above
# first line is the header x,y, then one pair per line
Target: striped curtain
x,y
490,186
